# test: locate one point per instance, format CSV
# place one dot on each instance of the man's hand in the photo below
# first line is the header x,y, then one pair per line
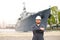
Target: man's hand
x,y
42,28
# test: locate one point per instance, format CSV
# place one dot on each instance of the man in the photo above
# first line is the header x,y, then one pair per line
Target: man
x,y
37,30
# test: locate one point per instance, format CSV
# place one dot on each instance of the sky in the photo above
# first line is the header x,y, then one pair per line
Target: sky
x,y
10,10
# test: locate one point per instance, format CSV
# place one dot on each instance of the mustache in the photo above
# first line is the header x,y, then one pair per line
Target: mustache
x,y
37,23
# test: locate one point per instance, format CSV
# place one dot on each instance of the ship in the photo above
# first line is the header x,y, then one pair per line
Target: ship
x,y
27,19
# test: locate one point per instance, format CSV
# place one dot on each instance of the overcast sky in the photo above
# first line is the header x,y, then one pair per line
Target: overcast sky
x,y
10,10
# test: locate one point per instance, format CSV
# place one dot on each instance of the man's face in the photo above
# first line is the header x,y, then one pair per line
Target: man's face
x,y
38,21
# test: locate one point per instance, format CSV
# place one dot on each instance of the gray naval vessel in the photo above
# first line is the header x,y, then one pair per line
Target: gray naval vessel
x,y
27,19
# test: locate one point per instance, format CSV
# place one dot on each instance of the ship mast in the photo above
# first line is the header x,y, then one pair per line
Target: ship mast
x,y
24,11
24,8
